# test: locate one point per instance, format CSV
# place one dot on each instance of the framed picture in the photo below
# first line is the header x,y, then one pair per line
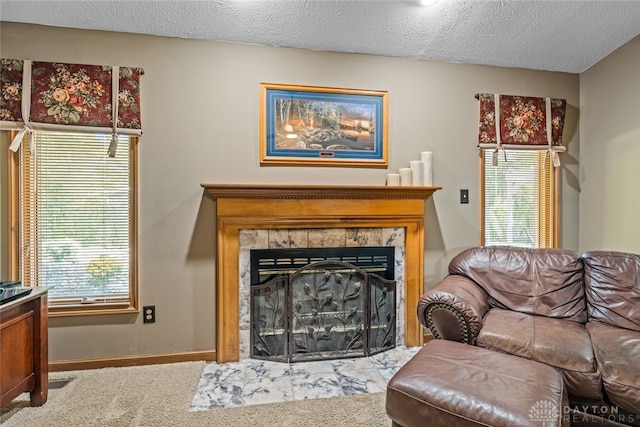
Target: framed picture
x,y
323,126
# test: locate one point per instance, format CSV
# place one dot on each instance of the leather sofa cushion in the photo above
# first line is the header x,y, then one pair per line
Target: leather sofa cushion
x,y
544,282
556,342
450,384
617,353
612,281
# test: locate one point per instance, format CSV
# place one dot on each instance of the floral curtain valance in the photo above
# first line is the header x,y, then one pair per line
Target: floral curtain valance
x,y
51,95
521,122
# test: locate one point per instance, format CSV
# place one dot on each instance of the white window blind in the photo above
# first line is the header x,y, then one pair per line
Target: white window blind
x,y
518,199
76,218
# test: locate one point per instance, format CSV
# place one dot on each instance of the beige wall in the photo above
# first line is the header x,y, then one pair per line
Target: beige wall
x,y
610,152
200,117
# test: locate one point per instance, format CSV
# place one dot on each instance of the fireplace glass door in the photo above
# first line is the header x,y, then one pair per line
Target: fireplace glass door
x,y
324,310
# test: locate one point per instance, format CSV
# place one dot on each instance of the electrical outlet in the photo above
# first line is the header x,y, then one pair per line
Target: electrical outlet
x,y
464,195
149,312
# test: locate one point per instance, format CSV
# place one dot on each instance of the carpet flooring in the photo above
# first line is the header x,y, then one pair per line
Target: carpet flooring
x,y
161,395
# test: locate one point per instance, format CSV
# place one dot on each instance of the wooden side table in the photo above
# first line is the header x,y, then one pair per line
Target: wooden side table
x,y
24,348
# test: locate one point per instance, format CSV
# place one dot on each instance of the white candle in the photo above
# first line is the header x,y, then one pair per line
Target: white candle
x,y
427,163
393,179
417,172
405,176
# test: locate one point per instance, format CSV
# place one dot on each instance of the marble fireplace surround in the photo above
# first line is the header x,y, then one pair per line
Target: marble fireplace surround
x,y
287,207
317,238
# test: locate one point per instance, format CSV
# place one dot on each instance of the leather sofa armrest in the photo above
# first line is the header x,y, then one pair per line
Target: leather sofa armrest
x,y
453,309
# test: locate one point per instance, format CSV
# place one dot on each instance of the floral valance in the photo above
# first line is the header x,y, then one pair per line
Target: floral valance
x,y
51,95
521,122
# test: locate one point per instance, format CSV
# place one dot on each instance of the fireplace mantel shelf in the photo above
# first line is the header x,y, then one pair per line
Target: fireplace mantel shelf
x,y
317,191
249,206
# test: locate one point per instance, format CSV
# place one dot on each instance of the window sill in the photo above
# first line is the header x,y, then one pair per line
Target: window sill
x,y
69,310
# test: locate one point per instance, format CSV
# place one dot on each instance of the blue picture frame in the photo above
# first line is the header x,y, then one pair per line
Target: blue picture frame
x,y
323,126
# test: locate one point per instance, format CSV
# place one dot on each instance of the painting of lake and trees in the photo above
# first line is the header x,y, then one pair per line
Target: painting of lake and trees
x,y
317,123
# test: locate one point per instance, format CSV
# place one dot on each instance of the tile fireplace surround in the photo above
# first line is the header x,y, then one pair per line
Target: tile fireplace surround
x,y
308,207
317,238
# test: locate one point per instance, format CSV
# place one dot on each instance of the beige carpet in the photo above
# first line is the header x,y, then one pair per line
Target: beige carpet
x,y
160,395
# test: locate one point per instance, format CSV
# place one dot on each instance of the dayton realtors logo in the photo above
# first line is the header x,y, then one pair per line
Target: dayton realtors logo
x,y
544,411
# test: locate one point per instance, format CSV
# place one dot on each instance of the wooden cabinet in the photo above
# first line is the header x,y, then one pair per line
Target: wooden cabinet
x,y
24,347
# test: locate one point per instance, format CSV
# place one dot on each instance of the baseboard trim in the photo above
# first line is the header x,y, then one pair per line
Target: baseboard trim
x,y
119,362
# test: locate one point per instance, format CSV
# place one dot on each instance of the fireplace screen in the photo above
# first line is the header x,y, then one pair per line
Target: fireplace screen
x,y
324,310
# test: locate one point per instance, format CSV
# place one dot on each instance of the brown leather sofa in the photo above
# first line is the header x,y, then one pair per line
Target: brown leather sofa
x,y
577,313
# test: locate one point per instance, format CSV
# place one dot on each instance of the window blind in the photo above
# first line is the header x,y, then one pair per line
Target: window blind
x,y
75,213
518,199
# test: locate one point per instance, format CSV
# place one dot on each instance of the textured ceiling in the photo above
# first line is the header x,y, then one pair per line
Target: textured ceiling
x,y
567,36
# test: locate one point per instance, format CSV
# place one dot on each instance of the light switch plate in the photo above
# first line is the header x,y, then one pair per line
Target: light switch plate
x,y
464,195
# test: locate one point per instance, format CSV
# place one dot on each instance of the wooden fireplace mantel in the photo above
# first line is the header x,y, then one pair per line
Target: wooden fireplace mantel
x,y
312,206
317,191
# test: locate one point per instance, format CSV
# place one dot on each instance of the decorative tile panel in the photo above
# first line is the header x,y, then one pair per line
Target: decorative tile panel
x,y
299,238
279,239
393,237
363,237
253,239
327,238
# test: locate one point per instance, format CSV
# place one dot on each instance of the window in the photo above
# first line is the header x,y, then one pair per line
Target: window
x,y
519,206
75,211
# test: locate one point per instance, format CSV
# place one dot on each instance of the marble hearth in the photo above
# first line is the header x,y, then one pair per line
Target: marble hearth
x,y
288,213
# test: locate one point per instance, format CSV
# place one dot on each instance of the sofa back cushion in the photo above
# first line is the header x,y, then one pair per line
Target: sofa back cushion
x,y
544,282
612,281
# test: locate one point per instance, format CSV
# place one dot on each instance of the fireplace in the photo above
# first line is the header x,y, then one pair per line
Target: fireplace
x,y
269,263
311,207
309,304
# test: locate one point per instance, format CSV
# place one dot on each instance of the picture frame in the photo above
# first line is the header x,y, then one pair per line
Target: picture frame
x,y
323,126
